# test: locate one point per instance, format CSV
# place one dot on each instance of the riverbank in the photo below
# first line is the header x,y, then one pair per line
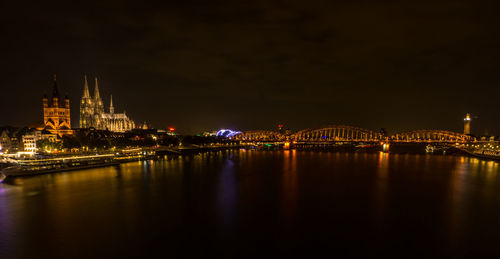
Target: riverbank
x,y
45,166
58,163
480,153
62,163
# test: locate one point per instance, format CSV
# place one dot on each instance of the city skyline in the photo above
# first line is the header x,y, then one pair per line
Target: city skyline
x,y
76,113
250,128
201,66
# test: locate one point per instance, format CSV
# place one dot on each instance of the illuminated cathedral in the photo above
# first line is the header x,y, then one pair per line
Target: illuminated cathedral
x,y
92,113
56,113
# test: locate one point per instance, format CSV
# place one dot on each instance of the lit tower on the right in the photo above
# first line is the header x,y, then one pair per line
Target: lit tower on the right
x,y
467,124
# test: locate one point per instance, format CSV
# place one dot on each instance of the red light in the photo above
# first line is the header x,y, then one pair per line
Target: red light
x,y
171,129
280,126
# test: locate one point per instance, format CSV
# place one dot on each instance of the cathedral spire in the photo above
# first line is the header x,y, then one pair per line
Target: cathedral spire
x,y
96,90
86,93
55,91
111,107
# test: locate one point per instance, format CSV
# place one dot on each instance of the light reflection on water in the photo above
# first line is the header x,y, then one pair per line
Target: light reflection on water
x,y
381,187
227,191
289,191
282,200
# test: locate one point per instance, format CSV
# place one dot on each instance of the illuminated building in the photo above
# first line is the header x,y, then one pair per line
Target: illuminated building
x,y
30,138
92,114
143,126
209,134
467,124
56,113
10,140
171,131
29,142
227,133
5,141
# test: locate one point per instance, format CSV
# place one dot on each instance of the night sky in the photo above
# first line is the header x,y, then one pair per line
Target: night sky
x,y
204,65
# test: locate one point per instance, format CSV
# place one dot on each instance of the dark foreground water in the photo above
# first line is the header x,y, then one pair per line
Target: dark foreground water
x,y
258,203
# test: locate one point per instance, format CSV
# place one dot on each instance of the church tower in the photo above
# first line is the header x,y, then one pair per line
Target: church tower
x,y
86,107
98,108
111,107
56,114
99,105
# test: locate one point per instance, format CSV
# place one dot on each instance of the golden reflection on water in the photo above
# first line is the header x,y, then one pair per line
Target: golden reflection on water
x,y
381,185
289,186
471,179
456,208
64,199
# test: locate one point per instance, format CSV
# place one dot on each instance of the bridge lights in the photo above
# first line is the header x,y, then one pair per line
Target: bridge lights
x,y
385,147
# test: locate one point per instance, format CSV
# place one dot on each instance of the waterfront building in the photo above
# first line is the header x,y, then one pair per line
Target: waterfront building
x,y
30,138
56,113
10,139
92,114
5,141
29,143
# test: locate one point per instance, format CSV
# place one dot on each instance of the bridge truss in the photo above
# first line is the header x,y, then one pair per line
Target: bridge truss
x,y
428,136
336,133
259,135
343,133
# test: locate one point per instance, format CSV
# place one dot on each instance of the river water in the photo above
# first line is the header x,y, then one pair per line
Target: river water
x,y
258,203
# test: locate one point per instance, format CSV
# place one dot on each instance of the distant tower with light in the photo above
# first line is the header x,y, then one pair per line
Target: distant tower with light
x,y
280,128
467,124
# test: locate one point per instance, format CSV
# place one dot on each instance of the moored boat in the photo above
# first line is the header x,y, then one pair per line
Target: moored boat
x,y
437,148
31,167
485,154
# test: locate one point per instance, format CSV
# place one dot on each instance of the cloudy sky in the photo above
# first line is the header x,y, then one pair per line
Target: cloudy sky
x,y
202,65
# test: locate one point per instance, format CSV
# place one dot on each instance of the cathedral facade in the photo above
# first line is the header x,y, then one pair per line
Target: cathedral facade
x,y
56,113
92,113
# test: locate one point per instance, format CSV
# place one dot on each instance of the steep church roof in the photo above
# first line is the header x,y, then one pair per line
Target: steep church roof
x,y
97,95
111,107
55,91
86,93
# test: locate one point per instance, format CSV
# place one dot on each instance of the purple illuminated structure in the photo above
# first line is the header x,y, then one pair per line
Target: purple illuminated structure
x,y
226,133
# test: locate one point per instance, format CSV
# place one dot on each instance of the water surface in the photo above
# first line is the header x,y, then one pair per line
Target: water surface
x,y
258,203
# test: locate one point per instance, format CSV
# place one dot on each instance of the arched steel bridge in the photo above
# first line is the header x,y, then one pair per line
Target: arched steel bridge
x,y
343,133
431,136
336,133
259,135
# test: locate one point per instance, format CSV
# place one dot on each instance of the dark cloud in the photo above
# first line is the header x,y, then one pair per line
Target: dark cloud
x,y
251,64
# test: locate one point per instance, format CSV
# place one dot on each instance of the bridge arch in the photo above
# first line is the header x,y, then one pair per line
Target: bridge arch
x,y
336,133
259,135
432,136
